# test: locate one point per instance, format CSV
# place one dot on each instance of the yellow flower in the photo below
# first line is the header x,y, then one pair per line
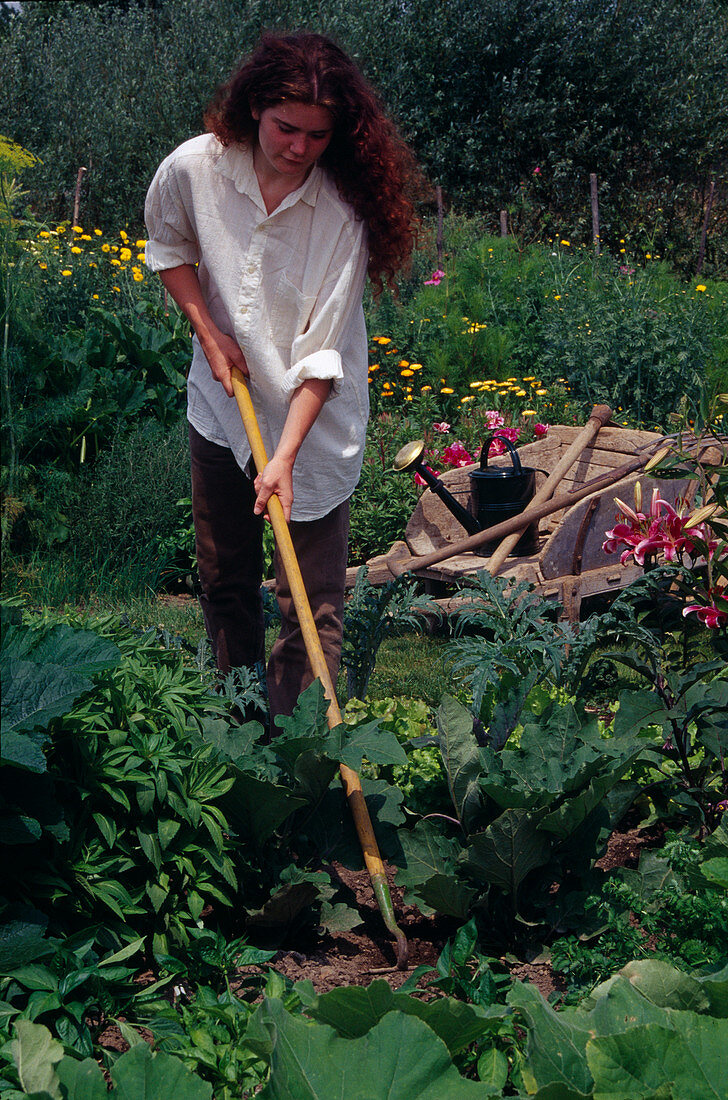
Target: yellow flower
x,y
44,233
381,340
700,287
125,254
140,243
425,389
528,412
138,277
115,262
95,297
124,235
60,229
447,389
44,267
566,243
66,272
415,366
76,249
541,392
520,393
529,378
557,297
469,397
98,232
407,373
408,397
648,255
141,256
374,366
77,228
86,237
106,248
92,264
114,248
117,289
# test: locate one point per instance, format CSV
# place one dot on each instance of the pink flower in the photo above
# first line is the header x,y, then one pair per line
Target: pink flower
x,y
540,429
436,278
537,171
443,427
511,434
708,614
419,480
664,529
494,419
456,455
625,270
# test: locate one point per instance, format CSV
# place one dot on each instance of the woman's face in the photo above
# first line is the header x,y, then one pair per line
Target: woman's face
x,y
291,138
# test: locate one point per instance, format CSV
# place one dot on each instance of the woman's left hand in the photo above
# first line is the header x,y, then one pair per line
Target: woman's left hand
x,y
277,477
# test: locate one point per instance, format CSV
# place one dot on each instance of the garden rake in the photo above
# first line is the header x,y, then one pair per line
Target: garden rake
x,y
349,778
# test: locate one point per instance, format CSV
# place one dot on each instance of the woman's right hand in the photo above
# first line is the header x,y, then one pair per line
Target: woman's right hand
x,y
222,353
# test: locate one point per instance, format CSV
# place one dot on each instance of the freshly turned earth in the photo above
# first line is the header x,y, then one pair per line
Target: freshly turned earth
x,y
367,953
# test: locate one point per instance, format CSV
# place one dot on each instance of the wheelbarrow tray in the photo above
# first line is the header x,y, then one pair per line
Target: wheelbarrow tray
x,y
570,563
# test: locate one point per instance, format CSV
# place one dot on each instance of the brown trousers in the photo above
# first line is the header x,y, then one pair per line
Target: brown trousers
x,y
229,545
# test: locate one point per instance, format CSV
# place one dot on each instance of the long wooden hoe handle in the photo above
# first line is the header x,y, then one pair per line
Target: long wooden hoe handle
x,y
600,415
349,778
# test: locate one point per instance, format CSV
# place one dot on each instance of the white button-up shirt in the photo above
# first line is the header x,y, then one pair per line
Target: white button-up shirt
x,y
287,287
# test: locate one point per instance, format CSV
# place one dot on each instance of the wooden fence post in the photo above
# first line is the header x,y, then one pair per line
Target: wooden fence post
x,y
594,210
504,223
704,234
438,192
77,198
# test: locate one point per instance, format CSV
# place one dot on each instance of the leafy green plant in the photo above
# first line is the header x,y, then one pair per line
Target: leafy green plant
x,y
35,1065
533,814
507,642
370,615
422,779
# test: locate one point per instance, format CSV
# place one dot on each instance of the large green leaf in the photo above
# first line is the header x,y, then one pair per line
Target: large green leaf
x,y
716,986
683,1062
556,1045
36,1054
352,1011
141,1075
461,756
34,694
63,646
447,895
233,741
567,817
426,853
82,1080
400,1058
506,852
664,985
255,807
377,745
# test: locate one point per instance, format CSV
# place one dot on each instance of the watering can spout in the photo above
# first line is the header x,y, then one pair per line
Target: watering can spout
x,y
498,493
409,458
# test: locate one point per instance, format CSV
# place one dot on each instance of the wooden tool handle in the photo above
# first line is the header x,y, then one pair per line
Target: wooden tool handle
x,y
315,653
601,414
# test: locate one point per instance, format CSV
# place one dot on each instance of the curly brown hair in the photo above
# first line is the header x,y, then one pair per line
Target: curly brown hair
x,y
370,163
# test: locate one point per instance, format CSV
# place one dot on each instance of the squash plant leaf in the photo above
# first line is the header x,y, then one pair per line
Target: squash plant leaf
x,y
400,1058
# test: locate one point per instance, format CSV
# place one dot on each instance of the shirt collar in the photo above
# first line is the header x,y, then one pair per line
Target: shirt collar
x,y
236,163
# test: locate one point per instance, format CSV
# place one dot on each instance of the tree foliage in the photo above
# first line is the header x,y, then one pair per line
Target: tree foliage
x,y
509,104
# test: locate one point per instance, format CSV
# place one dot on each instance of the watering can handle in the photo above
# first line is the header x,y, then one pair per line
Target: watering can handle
x,y
517,468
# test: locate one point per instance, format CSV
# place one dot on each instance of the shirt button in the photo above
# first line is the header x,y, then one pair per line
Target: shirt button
x,y
251,269
243,310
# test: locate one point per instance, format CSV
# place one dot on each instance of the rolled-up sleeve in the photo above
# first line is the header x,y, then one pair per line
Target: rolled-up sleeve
x,y
171,238
316,352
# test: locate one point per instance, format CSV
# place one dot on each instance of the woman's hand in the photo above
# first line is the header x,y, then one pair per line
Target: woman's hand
x,y
222,353
277,477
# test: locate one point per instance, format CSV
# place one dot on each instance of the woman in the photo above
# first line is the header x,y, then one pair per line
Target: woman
x,y
263,231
